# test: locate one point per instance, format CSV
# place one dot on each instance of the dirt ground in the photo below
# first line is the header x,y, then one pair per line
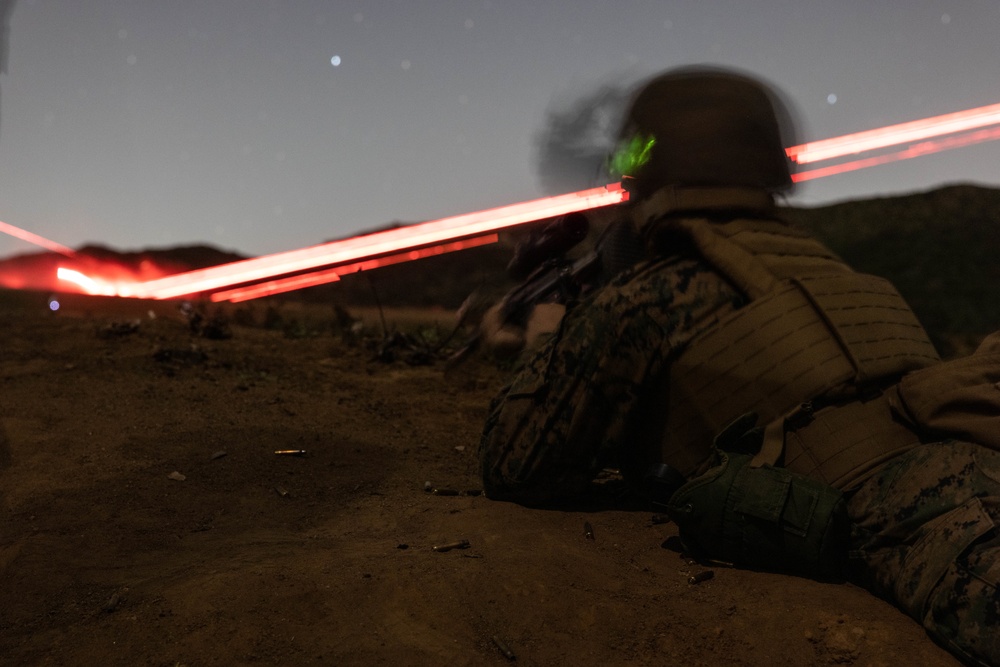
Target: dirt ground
x,y
145,518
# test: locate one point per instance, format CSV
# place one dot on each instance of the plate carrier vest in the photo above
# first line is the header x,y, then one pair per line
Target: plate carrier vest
x,y
810,353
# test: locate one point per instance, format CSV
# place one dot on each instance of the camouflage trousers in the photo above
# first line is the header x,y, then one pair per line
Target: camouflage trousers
x,y
925,539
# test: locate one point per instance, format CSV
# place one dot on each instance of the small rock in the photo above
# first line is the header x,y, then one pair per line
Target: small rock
x,y
190,356
112,603
118,329
176,476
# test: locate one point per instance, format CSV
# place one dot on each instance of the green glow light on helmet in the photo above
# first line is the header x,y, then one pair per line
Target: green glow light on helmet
x,y
631,156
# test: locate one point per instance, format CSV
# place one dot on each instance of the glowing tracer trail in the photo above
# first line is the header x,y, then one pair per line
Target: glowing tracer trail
x,y
323,277
470,224
86,283
35,239
279,286
916,150
380,243
424,235
893,135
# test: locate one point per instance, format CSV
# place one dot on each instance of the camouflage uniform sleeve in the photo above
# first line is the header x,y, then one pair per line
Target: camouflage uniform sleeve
x,y
572,408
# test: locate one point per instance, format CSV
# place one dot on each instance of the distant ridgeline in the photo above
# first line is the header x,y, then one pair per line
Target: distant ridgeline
x,y
941,249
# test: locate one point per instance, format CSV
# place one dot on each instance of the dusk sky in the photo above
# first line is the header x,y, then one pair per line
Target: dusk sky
x,y
267,125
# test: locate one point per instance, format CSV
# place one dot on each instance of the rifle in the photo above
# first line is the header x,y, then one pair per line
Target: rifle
x,y
551,277
557,280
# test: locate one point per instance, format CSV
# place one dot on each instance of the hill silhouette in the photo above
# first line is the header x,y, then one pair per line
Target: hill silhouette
x,y
939,247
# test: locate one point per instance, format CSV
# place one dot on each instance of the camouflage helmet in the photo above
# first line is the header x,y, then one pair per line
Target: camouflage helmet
x,y
704,127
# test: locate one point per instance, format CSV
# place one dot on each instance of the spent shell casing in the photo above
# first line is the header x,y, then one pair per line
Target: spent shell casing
x,y
502,645
290,452
700,577
460,544
588,530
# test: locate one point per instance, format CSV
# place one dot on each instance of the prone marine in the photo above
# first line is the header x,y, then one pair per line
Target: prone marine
x,y
788,412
